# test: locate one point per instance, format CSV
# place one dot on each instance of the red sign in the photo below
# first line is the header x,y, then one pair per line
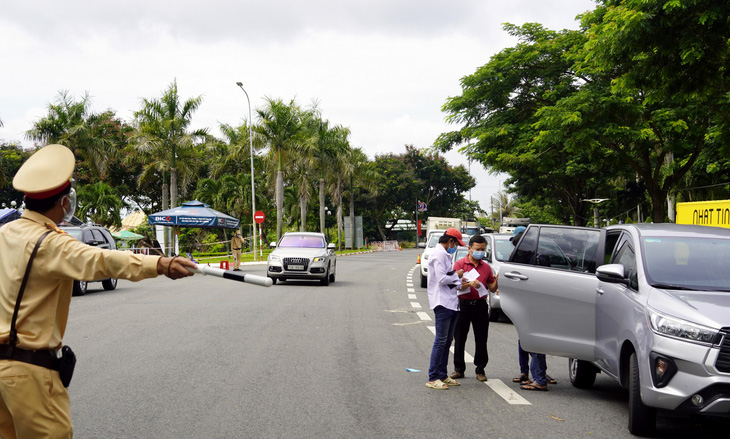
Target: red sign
x,y
419,227
259,217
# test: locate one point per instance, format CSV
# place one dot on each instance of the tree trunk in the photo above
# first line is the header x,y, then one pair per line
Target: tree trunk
x,y
352,216
321,205
165,206
339,212
302,214
279,203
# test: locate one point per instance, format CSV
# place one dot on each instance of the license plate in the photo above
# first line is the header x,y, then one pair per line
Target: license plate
x,y
296,267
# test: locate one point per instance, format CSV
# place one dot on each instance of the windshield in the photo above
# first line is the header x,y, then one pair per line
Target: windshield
x,y
688,263
76,233
301,241
433,239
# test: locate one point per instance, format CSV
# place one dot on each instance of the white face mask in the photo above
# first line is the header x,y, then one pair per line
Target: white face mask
x,y
68,214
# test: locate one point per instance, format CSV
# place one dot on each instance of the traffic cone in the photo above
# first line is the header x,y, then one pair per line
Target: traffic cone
x,y
400,248
419,259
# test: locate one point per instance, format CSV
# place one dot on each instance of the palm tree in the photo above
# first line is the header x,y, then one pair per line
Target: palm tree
x,y
162,135
340,166
281,128
101,203
70,123
359,174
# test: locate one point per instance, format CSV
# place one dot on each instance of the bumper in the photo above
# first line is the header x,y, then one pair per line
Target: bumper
x,y
695,374
317,270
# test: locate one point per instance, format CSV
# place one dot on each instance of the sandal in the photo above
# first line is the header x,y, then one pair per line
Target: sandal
x,y
551,380
523,378
438,385
450,382
534,386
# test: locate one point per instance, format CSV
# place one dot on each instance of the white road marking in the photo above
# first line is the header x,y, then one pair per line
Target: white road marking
x,y
424,316
411,290
416,305
409,285
501,389
412,296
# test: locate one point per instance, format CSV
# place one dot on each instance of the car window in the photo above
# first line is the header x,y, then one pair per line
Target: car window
x,y
627,257
433,239
687,262
301,241
97,236
503,249
525,253
488,250
75,233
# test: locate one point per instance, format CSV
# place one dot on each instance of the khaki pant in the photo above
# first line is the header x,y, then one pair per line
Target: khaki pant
x,y
236,258
33,403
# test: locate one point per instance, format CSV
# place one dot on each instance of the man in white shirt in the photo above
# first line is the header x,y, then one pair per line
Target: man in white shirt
x,y
443,286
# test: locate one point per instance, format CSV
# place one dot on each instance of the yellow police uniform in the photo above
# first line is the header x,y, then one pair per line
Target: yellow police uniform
x,y
236,245
33,401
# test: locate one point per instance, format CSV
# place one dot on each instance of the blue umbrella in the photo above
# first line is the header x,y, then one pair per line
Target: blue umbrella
x,y
7,215
194,214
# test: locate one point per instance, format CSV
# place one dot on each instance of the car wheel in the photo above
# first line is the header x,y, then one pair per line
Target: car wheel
x,y
642,419
582,373
326,280
109,284
80,287
424,281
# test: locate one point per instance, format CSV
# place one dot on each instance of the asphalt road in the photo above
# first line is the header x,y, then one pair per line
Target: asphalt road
x,y
204,357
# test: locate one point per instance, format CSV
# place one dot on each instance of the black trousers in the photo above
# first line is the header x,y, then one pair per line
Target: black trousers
x,y
476,314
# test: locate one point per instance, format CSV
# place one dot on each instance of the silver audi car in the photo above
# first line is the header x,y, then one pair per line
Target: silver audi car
x,y
303,255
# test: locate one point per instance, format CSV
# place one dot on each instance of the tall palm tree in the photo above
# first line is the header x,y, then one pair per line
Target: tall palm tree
x,y
71,123
280,126
359,174
340,166
162,134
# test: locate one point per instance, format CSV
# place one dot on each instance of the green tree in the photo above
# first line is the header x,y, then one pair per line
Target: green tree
x,y
361,177
12,156
100,203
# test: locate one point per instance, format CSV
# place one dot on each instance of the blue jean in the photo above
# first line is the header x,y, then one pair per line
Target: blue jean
x,y
524,359
538,368
445,324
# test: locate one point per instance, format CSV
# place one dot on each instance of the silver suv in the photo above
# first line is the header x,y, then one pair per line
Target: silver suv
x,y
303,255
647,304
97,236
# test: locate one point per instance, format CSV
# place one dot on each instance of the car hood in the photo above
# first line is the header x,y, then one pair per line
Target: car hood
x,y
293,252
709,308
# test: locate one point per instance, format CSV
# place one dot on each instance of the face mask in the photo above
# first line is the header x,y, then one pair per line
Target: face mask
x,y
68,214
451,250
478,255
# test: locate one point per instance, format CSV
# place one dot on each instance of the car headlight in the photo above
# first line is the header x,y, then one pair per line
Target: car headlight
x,y
274,258
319,259
683,330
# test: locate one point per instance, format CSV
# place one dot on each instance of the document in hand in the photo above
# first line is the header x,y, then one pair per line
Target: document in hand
x,y
470,275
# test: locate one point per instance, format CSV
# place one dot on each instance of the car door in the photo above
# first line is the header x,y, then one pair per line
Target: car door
x,y
548,296
614,305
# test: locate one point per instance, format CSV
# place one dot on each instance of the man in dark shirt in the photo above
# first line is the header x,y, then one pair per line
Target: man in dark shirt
x,y
473,309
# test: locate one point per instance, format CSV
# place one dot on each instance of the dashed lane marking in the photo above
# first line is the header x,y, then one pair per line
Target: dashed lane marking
x,y
411,290
416,305
412,296
501,389
424,316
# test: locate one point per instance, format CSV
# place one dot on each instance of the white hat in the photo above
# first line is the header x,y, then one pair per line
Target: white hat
x,y
46,173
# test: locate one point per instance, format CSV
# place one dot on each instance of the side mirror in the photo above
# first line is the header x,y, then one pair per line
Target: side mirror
x,y
331,246
612,273
272,245
421,245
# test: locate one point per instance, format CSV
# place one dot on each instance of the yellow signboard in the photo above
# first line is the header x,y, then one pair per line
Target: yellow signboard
x,y
705,213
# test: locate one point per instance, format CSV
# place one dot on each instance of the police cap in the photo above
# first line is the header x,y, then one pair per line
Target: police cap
x,y
46,173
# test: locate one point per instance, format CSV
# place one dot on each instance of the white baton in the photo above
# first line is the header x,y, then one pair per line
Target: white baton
x,y
233,275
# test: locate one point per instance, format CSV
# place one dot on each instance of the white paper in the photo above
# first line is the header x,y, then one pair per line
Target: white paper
x,y
482,290
470,275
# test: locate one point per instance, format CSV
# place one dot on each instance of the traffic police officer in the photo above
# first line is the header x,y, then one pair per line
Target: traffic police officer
x,y
236,245
33,401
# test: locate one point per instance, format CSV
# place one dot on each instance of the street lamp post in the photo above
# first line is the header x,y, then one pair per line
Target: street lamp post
x,y
253,189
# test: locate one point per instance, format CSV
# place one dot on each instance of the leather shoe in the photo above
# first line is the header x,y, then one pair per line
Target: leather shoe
x,y
481,377
456,375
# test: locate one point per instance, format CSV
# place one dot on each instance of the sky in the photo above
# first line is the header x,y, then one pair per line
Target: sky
x,y
383,68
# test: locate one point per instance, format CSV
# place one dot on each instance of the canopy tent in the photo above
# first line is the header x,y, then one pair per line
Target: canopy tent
x,y
194,214
7,215
127,235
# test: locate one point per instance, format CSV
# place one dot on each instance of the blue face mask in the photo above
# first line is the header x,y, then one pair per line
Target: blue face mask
x,y
478,255
451,250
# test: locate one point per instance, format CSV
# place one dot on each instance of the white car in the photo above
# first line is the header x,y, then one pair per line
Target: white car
x,y
431,240
303,255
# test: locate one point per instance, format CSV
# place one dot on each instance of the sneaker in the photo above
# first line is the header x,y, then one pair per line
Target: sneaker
x,y
456,375
481,377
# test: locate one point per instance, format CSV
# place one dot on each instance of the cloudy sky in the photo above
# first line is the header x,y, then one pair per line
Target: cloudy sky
x,y
383,68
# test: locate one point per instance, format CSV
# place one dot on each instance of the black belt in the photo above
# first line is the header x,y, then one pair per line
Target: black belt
x,y
472,302
236,249
43,358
